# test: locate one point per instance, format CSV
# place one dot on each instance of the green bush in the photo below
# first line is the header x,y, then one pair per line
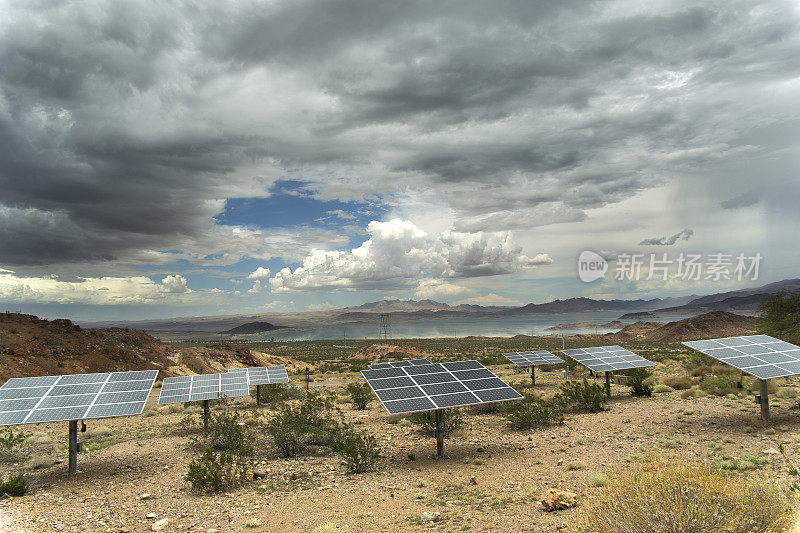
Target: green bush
x,y
698,360
314,421
14,486
10,440
451,421
581,396
636,380
780,316
533,412
662,388
358,449
216,471
227,432
667,498
682,382
360,395
278,393
719,385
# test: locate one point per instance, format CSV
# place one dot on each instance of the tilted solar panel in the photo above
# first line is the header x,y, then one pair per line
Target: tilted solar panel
x,y
262,375
74,397
203,387
607,358
426,387
533,358
397,364
761,356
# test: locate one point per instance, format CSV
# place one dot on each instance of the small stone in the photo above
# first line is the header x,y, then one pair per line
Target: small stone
x,y
146,496
431,516
473,480
560,462
159,525
555,500
212,530
771,451
259,475
150,516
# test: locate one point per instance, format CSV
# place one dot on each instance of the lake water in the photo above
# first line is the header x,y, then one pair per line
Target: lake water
x,y
460,327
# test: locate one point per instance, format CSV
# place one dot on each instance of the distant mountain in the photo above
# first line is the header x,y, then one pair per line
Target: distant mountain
x,y
744,300
705,326
251,328
386,306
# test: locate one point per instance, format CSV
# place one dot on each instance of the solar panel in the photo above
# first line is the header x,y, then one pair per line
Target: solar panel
x,y
424,387
262,375
607,358
397,364
203,387
74,397
533,358
761,356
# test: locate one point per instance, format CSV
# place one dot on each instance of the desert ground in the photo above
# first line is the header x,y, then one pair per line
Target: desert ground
x,y
491,478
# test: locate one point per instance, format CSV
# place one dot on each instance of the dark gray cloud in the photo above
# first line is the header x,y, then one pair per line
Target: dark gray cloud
x,y
684,235
124,126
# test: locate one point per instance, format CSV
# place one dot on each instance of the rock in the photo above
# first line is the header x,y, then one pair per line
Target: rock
x,y
560,462
259,475
146,496
555,500
212,530
473,480
429,516
771,451
150,516
160,524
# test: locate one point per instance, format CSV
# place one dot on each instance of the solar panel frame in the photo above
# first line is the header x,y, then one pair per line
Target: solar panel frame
x,y
34,400
200,387
430,386
607,358
533,358
396,364
761,356
262,375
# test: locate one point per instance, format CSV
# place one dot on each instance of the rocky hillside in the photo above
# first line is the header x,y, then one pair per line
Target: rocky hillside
x,y
31,346
705,326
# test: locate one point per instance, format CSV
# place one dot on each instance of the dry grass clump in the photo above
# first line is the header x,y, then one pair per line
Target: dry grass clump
x,y
676,498
682,382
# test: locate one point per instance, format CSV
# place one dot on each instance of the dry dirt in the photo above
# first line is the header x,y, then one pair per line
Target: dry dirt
x,y
511,469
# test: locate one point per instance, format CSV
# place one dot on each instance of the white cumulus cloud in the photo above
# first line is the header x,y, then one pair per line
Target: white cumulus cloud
x,y
398,254
259,273
175,284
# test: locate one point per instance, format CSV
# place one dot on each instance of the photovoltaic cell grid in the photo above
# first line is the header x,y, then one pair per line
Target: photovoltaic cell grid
x,y
761,356
203,387
74,397
425,387
533,358
607,358
262,375
397,364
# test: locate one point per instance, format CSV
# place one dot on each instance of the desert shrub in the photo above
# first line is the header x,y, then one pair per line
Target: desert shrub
x,y
533,412
787,392
780,316
581,396
360,395
226,432
491,408
669,498
278,393
598,480
637,380
14,486
698,360
681,382
216,471
719,385
314,421
662,388
575,465
358,449
426,420
10,440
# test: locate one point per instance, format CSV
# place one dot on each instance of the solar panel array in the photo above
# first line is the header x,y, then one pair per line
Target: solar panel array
x,y
533,358
397,364
607,358
203,387
425,387
761,356
262,375
74,397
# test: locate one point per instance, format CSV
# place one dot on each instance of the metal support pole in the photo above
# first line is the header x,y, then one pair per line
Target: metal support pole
x,y
439,434
258,394
73,446
608,384
764,399
533,375
205,414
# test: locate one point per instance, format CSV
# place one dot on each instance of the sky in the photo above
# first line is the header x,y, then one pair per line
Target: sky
x,y
163,159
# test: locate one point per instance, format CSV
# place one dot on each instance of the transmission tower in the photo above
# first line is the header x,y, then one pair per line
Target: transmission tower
x,y
386,326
